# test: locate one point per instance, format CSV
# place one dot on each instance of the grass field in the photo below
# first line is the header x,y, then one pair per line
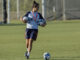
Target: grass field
x,y
60,38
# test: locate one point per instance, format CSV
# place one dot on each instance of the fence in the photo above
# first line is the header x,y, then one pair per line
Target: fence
x,y
55,9
17,8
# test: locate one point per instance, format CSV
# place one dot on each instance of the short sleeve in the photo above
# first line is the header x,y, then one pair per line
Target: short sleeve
x,y
40,16
27,14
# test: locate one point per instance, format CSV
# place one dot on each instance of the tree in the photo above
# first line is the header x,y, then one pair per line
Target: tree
x,y
4,12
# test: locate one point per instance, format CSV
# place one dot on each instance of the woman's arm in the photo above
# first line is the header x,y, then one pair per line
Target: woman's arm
x,y
41,17
43,25
23,20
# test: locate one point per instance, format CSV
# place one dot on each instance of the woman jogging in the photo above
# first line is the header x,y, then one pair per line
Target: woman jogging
x,y
32,20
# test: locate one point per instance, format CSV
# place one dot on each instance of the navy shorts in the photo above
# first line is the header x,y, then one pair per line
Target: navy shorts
x,y
31,34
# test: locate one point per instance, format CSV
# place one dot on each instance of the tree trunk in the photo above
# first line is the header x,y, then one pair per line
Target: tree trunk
x,y
4,12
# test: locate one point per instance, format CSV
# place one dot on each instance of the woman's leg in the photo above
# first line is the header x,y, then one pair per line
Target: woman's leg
x,y
27,43
30,45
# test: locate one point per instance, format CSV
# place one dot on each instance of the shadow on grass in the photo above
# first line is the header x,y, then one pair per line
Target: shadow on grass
x,y
38,58
66,58
62,59
57,58
12,24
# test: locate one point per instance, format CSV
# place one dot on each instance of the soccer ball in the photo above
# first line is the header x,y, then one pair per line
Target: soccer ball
x,y
46,56
41,21
27,18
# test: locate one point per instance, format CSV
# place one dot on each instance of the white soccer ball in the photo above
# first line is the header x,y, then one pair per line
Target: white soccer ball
x,y
41,21
46,56
25,18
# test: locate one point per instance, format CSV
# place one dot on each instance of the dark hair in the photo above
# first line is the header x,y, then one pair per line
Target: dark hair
x,y
35,4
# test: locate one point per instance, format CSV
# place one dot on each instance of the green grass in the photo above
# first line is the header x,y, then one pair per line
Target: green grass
x,y
60,38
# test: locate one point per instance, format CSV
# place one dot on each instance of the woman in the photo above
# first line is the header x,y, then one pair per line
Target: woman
x,y
32,23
